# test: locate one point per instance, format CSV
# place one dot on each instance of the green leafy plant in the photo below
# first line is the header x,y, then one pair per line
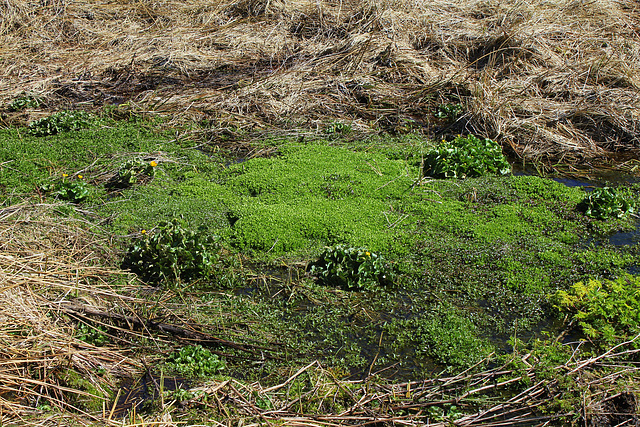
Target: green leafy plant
x,y
466,157
337,128
25,101
133,171
92,335
448,111
195,361
351,268
172,253
604,309
72,190
607,202
62,121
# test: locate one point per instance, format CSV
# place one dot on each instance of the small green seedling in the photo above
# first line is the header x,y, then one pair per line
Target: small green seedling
x,y
195,361
62,121
465,157
172,253
351,268
607,202
93,335
71,190
335,128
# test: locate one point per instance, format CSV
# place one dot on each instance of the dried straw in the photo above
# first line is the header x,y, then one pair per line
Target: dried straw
x,y
43,263
550,80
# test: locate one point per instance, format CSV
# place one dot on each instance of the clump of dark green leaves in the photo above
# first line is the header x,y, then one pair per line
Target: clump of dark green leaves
x,y
465,157
603,309
71,190
62,121
335,128
608,202
448,111
93,335
25,101
173,254
195,361
351,268
132,172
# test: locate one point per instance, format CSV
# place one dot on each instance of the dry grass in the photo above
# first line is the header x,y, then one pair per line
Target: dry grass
x,y
45,263
550,80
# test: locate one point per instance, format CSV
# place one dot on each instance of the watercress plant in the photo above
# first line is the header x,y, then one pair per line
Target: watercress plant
x,y
465,157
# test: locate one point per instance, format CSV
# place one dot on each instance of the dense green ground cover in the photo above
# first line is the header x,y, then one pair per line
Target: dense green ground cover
x,y
475,260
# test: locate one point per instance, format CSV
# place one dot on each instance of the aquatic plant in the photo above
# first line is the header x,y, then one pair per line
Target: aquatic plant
x,y
336,127
448,111
351,268
604,309
195,361
61,121
95,335
172,253
608,202
72,190
133,171
465,157
25,101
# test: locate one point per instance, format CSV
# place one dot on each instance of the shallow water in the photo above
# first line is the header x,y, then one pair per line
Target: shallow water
x,y
136,393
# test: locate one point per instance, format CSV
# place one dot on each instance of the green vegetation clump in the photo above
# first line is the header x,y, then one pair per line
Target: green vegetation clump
x,y
195,361
93,335
313,196
25,101
62,121
448,111
606,310
172,254
442,334
351,268
607,202
337,128
465,157
72,190
133,171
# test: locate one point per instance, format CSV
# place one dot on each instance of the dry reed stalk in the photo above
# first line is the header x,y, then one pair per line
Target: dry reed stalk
x,y
548,80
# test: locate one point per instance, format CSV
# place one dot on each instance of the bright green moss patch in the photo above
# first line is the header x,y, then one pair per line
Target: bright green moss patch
x,y
29,161
315,195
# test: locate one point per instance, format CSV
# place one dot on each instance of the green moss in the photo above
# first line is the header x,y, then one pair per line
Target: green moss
x,y
443,333
91,397
28,161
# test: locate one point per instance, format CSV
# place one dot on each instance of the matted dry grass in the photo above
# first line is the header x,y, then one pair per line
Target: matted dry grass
x,y
46,262
548,79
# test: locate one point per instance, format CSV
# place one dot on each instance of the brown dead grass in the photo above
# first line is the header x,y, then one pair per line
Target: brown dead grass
x,y
45,263
550,80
